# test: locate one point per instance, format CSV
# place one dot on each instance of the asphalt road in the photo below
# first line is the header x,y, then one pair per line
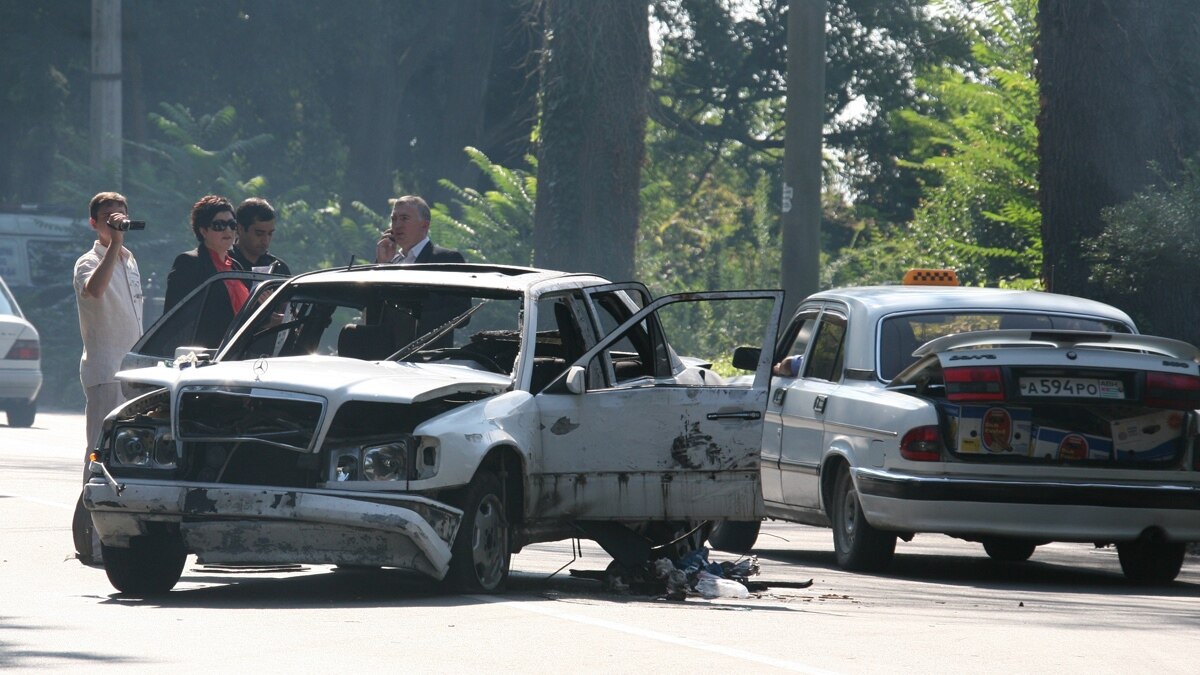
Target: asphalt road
x,y
943,607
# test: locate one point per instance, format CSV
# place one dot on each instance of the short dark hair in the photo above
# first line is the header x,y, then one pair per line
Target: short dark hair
x,y
105,198
254,210
205,210
422,207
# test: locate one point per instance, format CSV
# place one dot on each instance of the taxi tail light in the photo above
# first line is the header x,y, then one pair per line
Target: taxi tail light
x,y
922,444
24,350
974,383
1170,390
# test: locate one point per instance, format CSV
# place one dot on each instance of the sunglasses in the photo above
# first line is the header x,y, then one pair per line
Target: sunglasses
x,y
222,225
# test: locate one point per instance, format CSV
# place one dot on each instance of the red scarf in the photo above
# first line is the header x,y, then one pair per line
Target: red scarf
x,y
238,293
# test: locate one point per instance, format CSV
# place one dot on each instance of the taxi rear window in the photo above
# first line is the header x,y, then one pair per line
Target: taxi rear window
x,y
900,335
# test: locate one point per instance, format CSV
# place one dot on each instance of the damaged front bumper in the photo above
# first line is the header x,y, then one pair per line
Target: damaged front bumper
x,y
269,525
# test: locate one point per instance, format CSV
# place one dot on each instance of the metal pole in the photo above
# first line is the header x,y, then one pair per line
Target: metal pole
x,y
802,151
106,132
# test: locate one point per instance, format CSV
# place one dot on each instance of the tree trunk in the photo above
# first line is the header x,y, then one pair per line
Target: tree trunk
x,y
595,79
1118,81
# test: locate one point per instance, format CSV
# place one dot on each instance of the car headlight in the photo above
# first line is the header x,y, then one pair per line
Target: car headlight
x,y
166,455
385,462
405,458
134,446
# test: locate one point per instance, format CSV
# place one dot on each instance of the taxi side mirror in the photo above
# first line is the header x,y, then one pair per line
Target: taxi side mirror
x,y
576,379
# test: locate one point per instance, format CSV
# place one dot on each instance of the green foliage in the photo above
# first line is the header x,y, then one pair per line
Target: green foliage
x,y
317,237
976,150
1150,244
495,226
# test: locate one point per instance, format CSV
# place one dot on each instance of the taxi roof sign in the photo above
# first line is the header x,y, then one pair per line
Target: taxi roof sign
x,y
923,277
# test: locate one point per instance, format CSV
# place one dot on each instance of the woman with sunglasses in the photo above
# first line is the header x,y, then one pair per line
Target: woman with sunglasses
x,y
215,226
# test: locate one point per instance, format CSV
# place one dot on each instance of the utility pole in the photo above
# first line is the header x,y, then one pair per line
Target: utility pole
x,y
802,159
106,135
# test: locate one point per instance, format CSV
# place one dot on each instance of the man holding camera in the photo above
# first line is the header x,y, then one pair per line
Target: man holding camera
x,y
108,290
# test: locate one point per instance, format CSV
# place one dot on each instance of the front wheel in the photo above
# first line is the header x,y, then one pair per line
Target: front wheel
x,y
150,566
1151,562
482,549
1008,550
857,545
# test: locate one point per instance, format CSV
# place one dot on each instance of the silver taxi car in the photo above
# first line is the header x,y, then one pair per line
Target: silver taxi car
x,y
1011,418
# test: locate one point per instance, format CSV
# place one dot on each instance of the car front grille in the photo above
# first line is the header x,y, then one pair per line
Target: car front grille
x,y
278,418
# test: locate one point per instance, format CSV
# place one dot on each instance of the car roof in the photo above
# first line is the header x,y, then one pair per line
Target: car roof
x,y
878,301
469,275
870,304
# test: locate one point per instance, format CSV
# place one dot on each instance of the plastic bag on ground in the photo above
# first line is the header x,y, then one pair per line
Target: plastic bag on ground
x,y
712,586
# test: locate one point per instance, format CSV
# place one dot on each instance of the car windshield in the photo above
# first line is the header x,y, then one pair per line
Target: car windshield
x,y
900,336
475,327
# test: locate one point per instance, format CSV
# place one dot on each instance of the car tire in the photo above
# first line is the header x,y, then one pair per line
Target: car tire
x,y
1008,550
82,532
735,536
21,414
1151,562
150,566
482,549
856,543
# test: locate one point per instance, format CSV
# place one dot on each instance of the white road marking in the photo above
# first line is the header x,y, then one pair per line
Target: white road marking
x,y
540,608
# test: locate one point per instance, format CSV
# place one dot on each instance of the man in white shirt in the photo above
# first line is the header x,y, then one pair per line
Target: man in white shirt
x,y
108,291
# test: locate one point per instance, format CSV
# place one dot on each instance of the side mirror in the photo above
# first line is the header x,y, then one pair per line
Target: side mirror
x,y
746,358
576,379
186,357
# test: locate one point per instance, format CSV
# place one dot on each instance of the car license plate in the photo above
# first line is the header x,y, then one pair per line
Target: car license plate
x,y
1074,387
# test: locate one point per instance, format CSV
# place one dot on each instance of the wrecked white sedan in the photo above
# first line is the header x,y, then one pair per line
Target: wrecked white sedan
x,y
1011,418
434,418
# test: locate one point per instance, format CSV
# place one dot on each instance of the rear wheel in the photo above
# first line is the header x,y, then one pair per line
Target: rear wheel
x,y
21,413
482,548
857,544
1151,562
735,536
150,566
1008,550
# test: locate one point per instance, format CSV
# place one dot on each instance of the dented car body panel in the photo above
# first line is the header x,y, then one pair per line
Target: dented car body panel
x,y
319,435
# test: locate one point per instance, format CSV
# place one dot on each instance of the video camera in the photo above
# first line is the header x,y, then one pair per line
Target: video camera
x,y
127,224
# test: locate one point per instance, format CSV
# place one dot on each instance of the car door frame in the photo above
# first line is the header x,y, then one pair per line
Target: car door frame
x,y
135,358
802,413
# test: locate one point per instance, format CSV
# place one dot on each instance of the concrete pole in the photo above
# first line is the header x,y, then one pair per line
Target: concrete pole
x,y
802,151
106,135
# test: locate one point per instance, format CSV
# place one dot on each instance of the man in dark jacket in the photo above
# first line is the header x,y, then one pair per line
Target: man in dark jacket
x,y
407,240
256,227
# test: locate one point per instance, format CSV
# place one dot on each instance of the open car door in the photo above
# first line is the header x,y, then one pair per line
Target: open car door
x,y
180,326
632,431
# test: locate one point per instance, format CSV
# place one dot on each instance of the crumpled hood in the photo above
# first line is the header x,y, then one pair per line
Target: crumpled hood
x,y
332,377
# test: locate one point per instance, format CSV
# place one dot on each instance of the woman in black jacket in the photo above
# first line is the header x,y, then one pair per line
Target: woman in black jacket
x,y
214,225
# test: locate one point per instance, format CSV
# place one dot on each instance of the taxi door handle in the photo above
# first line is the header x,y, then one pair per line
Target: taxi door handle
x,y
779,395
819,404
